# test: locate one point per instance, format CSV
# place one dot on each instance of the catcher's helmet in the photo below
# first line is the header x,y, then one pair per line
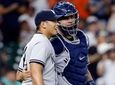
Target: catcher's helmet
x,y
65,9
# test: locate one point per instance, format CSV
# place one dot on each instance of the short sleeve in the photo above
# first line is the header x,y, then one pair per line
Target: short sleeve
x,y
40,53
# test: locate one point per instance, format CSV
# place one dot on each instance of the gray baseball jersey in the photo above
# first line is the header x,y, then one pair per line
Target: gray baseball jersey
x,y
39,50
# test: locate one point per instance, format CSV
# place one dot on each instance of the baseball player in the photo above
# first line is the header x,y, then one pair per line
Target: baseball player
x,y
39,53
73,69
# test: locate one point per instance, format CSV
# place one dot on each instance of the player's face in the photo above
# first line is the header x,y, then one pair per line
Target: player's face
x,y
68,21
51,28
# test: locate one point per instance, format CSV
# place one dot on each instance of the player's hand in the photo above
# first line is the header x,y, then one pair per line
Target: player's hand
x,y
26,75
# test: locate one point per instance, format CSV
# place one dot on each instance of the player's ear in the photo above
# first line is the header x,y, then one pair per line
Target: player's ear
x,y
43,24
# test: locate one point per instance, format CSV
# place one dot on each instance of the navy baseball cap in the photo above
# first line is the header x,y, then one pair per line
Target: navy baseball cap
x,y
45,15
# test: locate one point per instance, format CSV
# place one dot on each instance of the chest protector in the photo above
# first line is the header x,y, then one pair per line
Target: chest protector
x,y
76,70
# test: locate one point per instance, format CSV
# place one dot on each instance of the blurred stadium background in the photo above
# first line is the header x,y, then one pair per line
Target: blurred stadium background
x,y
97,20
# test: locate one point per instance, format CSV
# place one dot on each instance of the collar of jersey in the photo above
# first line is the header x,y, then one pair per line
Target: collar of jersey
x,y
39,33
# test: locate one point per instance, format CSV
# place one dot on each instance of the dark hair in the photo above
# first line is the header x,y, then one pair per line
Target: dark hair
x,y
38,26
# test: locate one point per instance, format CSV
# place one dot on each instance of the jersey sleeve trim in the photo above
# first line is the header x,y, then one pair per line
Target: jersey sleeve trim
x,y
37,61
20,69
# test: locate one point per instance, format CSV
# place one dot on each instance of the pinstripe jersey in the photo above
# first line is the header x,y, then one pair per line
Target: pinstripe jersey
x,y
39,50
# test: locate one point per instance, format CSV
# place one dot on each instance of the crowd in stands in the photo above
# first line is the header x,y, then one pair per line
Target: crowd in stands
x,y
97,20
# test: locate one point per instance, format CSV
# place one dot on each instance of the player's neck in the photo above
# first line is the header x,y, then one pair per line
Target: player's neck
x,y
68,37
44,33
